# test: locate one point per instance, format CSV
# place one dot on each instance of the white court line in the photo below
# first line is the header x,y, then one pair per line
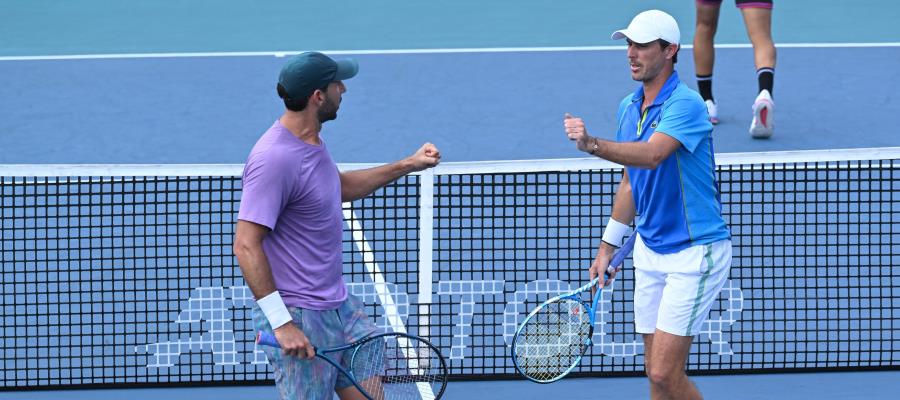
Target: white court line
x,y
384,296
417,51
392,313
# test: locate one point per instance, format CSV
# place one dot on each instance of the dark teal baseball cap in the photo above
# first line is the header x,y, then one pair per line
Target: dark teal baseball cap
x,y
306,72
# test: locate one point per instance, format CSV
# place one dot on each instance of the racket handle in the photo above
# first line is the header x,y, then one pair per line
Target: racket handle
x,y
266,339
615,263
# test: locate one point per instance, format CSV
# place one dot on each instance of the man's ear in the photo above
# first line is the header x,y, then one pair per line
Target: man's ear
x,y
671,50
318,96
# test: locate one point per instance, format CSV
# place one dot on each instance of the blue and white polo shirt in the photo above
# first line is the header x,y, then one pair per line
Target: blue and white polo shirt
x,y
677,203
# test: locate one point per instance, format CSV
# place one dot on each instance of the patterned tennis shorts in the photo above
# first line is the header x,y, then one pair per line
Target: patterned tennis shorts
x,y
316,379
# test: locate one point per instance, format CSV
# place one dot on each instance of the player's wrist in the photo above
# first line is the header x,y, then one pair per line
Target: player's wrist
x,y
585,143
607,249
591,145
411,164
274,309
615,233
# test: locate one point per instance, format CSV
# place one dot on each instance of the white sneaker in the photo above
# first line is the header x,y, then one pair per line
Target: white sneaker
x,y
763,116
713,111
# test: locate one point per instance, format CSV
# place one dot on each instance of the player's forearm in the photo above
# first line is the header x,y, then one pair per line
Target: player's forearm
x,y
255,268
633,154
623,210
361,183
623,204
258,275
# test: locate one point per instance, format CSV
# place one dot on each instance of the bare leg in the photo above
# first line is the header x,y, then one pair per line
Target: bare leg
x,y
759,29
704,51
648,353
372,385
667,358
350,393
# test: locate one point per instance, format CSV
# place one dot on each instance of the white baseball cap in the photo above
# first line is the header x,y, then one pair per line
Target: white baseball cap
x,y
650,25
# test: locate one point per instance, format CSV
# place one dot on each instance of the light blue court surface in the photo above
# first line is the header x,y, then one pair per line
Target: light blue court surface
x,y
835,87
49,27
830,386
474,106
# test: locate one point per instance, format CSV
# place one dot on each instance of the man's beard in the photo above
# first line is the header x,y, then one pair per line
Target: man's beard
x,y
648,72
328,111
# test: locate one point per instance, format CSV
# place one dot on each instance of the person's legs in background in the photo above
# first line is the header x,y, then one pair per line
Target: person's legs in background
x,y
758,21
704,52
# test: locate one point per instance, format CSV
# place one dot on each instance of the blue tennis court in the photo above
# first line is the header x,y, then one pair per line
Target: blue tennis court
x,y
96,266
852,385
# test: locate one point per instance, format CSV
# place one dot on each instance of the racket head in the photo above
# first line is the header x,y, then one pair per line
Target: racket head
x,y
552,339
398,366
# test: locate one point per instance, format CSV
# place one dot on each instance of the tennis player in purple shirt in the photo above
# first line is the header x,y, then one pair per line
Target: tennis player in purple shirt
x,y
290,227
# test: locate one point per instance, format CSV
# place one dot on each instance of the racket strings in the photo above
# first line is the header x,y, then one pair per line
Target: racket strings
x,y
399,368
553,340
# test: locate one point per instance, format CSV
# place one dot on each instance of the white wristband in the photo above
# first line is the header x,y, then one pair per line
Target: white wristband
x,y
615,232
274,309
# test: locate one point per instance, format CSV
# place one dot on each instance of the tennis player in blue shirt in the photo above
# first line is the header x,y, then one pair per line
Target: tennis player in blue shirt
x,y
669,189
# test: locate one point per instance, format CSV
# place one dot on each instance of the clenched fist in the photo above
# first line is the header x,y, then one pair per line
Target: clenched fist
x,y
577,133
426,157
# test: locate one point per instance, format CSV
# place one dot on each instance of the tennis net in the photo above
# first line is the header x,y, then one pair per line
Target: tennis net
x,y
123,275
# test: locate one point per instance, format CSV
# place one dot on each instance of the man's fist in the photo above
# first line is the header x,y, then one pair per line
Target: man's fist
x,y
576,132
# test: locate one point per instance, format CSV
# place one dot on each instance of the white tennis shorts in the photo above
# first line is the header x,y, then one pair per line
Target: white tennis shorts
x,y
674,292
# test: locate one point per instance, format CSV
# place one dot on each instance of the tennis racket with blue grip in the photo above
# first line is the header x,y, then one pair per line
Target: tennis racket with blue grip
x,y
551,340
389,366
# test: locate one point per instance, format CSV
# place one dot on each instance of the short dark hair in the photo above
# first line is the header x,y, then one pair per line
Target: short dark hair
x,y
664,44
292,103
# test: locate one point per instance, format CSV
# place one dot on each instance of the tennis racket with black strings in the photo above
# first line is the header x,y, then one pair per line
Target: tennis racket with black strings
x,y
389,366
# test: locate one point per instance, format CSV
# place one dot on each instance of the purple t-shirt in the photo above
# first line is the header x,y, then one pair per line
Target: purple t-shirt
x,y
294,189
